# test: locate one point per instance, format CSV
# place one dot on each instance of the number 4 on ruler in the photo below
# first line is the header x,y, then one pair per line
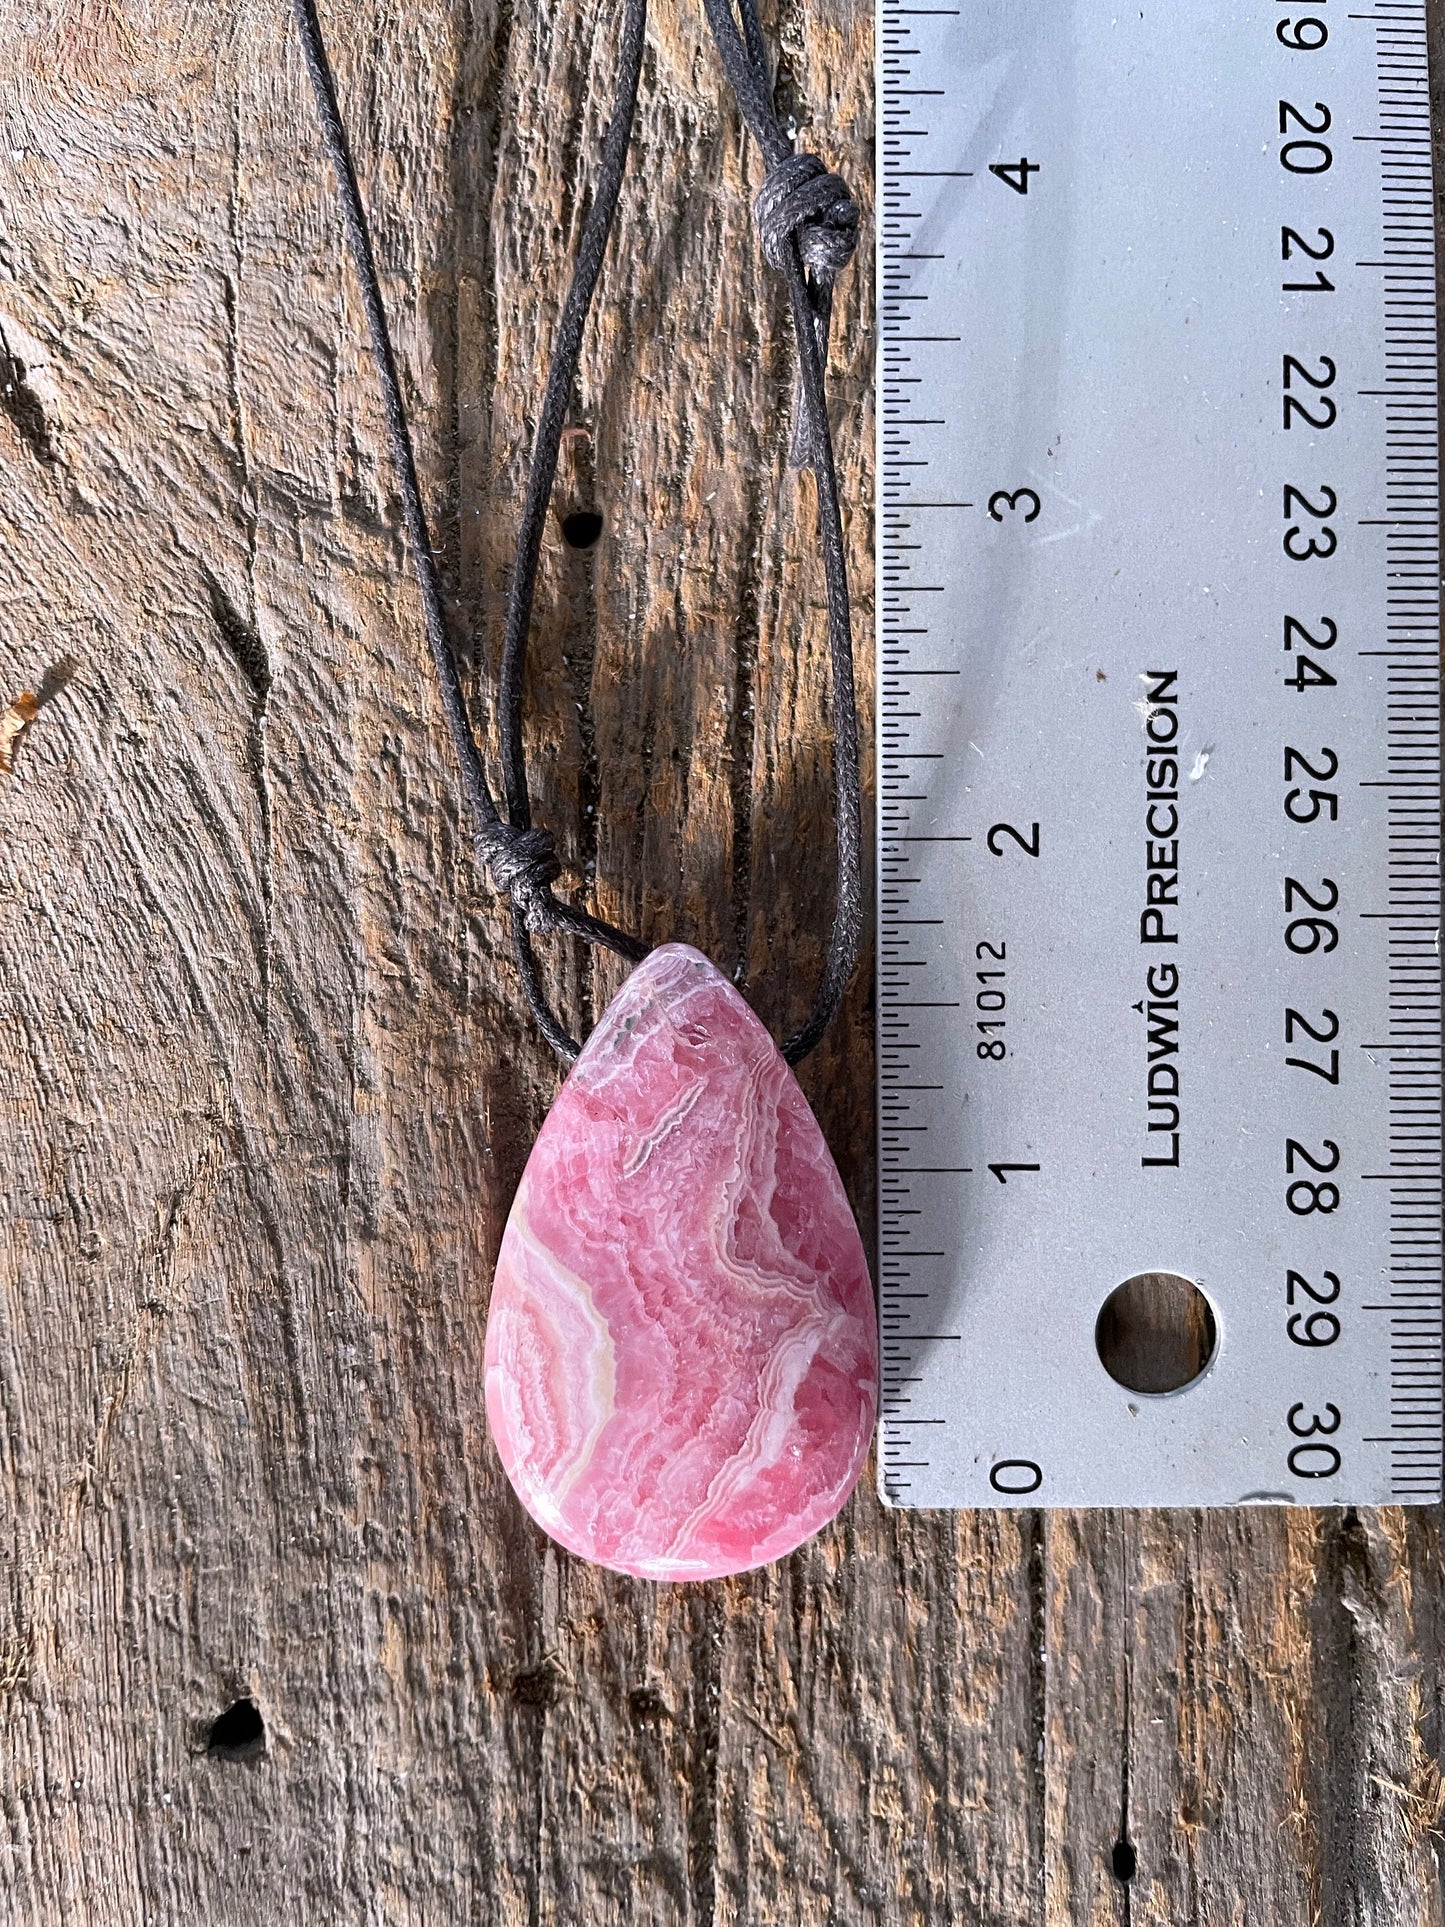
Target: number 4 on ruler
x,y
1015,174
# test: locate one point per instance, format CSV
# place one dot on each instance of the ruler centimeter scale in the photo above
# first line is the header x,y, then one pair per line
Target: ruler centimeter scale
x,y
1159,751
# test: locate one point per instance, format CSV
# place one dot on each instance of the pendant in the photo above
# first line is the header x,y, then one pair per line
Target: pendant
x,y
682,1349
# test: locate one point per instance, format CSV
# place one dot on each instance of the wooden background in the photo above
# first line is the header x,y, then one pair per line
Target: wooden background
x,y
266,1084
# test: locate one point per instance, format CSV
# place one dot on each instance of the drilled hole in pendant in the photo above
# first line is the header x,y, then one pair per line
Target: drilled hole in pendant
x,y
1156,1333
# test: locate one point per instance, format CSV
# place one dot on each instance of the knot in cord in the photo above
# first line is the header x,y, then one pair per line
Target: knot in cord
x,y
800,199
523,865
801,202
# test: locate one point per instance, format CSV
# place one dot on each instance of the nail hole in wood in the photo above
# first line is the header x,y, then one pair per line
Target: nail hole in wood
x,y
237,1734
1125,1861
582,529
575,494
1156,1333
647,1706
537,1685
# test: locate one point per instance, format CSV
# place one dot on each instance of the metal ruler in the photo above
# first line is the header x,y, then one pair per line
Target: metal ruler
x,y
1159,756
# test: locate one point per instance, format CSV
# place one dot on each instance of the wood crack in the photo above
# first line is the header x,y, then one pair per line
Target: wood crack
x,y
242,633
22,404
1036,1580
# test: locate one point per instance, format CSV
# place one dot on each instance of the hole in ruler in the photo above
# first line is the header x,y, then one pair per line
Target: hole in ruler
x,y
1155,1333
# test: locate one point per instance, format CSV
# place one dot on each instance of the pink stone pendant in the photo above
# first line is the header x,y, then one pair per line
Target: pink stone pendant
x,y
682,1352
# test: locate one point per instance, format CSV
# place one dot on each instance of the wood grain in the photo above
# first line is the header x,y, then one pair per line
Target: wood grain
x,y
266,1083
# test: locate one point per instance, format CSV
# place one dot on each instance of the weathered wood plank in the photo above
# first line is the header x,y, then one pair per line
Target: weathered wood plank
x,y
267,1084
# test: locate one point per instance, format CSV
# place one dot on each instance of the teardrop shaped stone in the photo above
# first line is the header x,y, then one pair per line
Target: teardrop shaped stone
x,y
682,1351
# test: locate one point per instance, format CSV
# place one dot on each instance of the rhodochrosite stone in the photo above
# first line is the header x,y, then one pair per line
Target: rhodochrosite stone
x,y
682,1355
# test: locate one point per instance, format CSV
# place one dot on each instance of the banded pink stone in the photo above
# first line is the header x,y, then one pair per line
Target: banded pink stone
x,y
682,1352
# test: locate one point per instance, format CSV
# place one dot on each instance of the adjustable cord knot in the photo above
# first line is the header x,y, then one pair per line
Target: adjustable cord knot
x,y
800,200
523,865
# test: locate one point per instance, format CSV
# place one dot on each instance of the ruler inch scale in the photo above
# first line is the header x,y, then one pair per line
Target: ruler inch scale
x,y
1158,749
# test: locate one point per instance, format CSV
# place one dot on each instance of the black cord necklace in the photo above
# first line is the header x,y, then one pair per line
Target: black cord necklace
x,y
809,227
705,1403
